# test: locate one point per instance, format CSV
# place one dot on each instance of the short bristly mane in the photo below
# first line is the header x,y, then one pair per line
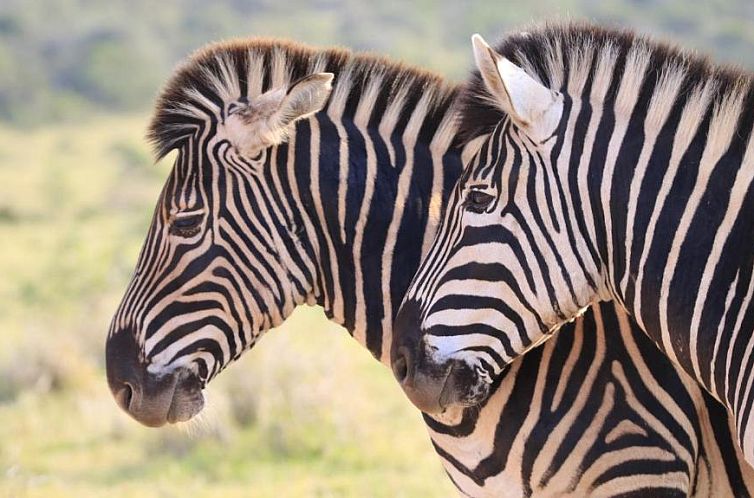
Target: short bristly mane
x,y
573,57
224,72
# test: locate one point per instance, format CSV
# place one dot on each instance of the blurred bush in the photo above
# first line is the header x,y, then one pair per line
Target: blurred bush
x,y
44,364
62,59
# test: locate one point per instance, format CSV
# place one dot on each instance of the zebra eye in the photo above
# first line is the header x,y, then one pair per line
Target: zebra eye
x,y
478,201
186,225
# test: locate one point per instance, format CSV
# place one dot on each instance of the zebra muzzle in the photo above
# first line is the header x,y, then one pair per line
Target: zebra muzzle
x,y
425,390
151,399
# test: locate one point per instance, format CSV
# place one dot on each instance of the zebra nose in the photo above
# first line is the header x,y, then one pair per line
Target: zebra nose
x,y
421,380
153,399
123,367
423,390
124,370
406,340
135,391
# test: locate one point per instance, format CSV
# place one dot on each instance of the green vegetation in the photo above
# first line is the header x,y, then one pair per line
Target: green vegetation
x,y
61,59
306,413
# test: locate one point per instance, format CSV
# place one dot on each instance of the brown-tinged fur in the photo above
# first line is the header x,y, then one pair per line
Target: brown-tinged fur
x,y
177,107
547,49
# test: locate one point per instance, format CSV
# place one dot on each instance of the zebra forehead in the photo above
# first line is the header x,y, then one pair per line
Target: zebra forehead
x,y
223,72
611,58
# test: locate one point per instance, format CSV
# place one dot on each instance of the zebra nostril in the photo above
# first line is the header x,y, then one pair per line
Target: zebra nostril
x,y
402,365
125,396
128,394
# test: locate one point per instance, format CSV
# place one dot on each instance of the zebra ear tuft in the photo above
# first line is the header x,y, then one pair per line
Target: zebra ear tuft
x,y
305,97
519,95
265,120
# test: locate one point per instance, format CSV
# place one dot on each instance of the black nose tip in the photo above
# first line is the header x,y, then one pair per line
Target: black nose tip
x,y
125,373
402,364
406,340
122,363
146,397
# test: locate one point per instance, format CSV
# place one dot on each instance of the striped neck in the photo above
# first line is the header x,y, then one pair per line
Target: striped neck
x,y
369,189
667,158
671,173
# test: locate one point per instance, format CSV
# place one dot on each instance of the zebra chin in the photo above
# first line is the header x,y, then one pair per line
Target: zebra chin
x,y
151,399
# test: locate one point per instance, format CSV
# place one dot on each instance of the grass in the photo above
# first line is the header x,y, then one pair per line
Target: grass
x,y
307,413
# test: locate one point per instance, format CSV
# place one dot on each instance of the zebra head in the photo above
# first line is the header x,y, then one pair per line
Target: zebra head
x,y
504,270
221,262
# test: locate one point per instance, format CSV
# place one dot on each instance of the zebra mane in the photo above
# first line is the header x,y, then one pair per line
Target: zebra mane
x,y
223,72
576,57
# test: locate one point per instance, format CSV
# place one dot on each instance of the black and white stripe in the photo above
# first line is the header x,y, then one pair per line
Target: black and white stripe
x,y
338,213
615,168
596,411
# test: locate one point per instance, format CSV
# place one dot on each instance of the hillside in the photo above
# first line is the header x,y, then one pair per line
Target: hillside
x,y
61,59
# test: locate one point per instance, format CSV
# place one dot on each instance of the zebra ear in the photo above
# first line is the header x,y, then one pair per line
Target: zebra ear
x,y
266,120
519,95
305,97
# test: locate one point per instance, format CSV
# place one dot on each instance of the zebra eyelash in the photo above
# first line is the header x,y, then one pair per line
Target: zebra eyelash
x,y
186,223
477,199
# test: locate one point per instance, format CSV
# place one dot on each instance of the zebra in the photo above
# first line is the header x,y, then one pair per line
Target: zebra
x,y
593,412
612,168
332,201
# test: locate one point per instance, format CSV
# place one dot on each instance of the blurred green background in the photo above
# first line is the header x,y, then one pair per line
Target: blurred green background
x,y
307,413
